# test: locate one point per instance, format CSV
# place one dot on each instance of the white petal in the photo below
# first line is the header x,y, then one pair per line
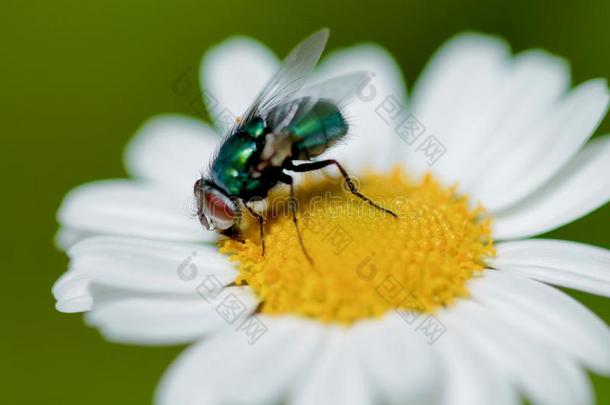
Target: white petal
x,y
337,375
470,378
402,367
122,207
233,73
528,159
69,283
172,150
71,291
150,266
545,375
227,369
532,87
547,314
577,189
162,320
454,97
564,263
372,142
67,237
480,105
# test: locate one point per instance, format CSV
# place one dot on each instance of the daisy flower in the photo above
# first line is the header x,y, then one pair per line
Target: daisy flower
x,y
450,304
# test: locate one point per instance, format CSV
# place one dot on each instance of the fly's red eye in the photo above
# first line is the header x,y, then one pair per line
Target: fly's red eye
x,y
219,208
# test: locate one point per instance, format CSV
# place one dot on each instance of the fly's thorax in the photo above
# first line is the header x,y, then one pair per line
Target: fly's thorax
x,y
232,168
256,127
239,168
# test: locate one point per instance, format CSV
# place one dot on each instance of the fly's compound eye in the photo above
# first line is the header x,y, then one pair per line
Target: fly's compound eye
x,y
215,209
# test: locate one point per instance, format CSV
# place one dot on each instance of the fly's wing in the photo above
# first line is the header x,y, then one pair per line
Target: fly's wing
x,y
339,90
287,81
292,76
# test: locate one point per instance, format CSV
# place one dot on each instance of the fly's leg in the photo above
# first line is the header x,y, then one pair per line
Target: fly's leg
x,y
308,167
286,179
261,225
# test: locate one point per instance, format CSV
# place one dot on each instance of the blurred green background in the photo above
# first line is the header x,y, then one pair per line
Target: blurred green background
x,y
79,77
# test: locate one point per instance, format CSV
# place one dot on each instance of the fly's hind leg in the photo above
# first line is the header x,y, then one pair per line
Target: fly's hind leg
x,y
308,167
286,179
261,225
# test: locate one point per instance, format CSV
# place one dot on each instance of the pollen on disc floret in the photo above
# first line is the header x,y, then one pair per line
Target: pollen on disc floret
x,y
365,262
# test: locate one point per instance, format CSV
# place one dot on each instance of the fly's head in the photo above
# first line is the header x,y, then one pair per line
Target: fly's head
x,y
215,209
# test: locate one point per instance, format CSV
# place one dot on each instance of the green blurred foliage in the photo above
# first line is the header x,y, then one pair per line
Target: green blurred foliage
x,y
79,77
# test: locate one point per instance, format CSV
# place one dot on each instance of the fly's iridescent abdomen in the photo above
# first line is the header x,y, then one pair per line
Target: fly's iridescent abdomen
x,y
319,127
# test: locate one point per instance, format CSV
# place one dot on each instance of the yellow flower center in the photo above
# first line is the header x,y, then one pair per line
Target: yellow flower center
x,y
365,262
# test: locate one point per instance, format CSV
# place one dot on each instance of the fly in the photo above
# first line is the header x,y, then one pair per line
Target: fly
x,y
288,122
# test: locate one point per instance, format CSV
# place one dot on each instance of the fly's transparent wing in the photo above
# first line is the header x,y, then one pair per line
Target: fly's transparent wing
x,y
292,76
339,90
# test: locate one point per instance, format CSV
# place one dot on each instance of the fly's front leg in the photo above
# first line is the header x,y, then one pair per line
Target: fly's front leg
x,y
308,167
